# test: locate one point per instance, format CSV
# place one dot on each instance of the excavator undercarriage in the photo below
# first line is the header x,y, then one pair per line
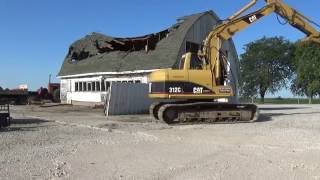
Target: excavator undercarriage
x,y
203,112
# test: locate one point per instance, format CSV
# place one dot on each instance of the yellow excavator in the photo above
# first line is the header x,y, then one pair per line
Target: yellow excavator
x,y
200,79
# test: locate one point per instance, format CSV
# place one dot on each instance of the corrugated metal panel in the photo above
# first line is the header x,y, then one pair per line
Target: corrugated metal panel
x,y
128,98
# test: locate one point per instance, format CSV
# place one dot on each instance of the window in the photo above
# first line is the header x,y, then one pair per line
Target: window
x,y
107,85
93,86
192,47
195,62
97,85
76,86
103,85
181,63
137,81
80,86
84,86
89,86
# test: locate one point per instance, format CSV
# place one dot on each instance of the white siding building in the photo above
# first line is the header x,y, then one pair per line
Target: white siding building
x,y
91,89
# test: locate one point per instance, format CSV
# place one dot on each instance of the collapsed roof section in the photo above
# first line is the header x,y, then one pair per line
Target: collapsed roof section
x,y
96,43
100,53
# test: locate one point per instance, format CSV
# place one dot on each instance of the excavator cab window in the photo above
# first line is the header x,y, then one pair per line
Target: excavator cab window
x,y
195,62
181,62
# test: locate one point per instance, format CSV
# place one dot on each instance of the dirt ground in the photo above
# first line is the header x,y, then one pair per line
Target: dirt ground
x,y
69,142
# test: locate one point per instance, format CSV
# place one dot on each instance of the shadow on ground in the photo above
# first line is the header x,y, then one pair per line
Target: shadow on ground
x,y
264,118
29,124
28,121
141,118
281,108
11,129
288,114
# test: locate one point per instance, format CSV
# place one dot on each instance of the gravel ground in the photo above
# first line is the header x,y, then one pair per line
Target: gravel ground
x,y
73,142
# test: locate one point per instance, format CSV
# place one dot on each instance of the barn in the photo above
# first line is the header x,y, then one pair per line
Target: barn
x,y
95,61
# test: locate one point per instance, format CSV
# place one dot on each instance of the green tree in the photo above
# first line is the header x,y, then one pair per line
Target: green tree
x,y
307,68
266,66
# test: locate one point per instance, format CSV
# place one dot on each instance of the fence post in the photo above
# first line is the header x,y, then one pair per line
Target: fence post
x,y
108,100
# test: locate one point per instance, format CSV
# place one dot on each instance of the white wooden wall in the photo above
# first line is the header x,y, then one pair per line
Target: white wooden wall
x,y
69,94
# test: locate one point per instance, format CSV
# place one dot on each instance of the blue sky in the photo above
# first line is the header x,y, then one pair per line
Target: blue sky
x,y
35,34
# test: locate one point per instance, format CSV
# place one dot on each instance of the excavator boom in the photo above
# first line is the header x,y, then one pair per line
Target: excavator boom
x,y
234,24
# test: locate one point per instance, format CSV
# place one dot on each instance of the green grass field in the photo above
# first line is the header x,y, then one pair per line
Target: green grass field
x,y
281,101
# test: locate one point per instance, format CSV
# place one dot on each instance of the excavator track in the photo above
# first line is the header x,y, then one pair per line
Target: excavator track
x,y
205,112
154,107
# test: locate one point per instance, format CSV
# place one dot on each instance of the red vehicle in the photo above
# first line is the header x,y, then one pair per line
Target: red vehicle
x,y
52,93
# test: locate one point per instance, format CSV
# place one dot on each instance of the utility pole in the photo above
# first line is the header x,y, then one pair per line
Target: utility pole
x,y
49,79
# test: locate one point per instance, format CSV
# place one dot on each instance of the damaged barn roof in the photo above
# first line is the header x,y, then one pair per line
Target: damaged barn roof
x,y
100,53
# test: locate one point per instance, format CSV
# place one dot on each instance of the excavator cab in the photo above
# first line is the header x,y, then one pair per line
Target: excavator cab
x,y
189,61
189,78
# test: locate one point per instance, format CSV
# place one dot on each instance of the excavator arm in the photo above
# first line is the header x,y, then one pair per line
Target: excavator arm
x,y
212,45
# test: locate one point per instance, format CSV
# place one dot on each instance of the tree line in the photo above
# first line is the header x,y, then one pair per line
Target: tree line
x,y
270,64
